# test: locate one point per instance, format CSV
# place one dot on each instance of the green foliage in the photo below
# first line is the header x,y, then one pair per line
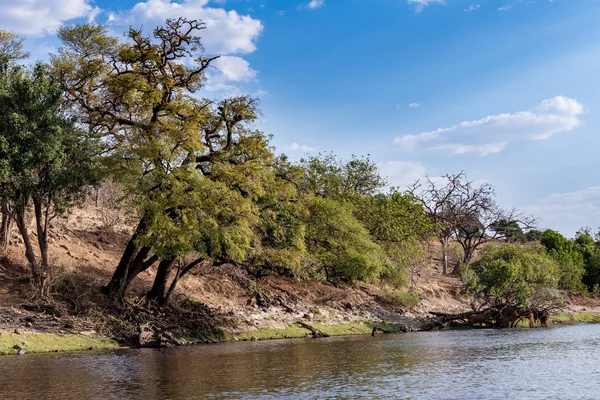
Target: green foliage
x,y
403,298
47,161
327,176
510,230
514,274
340,244
533,235
569,257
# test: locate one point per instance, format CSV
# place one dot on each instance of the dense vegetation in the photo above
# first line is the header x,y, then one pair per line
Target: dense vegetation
x,y
207,189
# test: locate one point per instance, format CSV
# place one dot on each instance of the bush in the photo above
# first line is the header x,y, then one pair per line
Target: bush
x,y
406,299
514,274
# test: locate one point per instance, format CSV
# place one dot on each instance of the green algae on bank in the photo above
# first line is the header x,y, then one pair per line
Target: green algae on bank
x,y
296,331
47,342
583,317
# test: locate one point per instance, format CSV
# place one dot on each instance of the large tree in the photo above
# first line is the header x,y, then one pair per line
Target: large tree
x,y
177,149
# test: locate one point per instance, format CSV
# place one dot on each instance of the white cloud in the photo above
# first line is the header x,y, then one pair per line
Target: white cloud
x,y
235,69
492,134
420,4
504,8
414,105
299,147
40,17
568,212
472,7
227,31
401,173
315,4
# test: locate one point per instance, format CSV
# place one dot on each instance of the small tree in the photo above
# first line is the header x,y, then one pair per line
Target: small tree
x,y
11,50
514,279
568,256
49,160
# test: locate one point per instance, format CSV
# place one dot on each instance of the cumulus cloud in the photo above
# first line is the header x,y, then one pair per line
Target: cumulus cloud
x,y
234,69
493,133
227,31
420,4
569,211
299,147
414,105
401,173
41,17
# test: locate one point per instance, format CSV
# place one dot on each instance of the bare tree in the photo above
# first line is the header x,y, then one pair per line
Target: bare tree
x,y
466,212
437,197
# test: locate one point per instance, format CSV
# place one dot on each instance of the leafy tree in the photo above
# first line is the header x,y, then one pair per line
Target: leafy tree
x,y
340,245
588,248
569,258
510,230
520,276
11,50
327,176
48,160
533,235
177,149
399,223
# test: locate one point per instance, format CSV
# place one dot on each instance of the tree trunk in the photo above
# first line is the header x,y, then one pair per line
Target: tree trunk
x,y
159,288
29,252
444,242
133,261
42,234
5,228
178,275
468,255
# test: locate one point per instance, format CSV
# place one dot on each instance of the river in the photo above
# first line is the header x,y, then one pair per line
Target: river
x,y
557,363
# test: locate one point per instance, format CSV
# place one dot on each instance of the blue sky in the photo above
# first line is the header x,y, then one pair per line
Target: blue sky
x,y
506,90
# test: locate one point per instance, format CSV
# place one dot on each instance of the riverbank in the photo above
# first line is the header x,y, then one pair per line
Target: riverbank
x,y
214,304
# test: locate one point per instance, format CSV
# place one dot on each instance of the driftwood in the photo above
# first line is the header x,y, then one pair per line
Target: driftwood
x,y
314,331
154,337
502,316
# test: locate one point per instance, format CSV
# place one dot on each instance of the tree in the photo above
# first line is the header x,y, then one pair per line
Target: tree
x,y
399,223
468,213
569,258
510,230
437,199
340,245
508,281
48,160
327,176
11,50
176,148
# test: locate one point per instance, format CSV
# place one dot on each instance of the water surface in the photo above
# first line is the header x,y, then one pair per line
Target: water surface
x,y
560,363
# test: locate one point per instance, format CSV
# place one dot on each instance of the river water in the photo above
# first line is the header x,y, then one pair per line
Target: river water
x,y
553,363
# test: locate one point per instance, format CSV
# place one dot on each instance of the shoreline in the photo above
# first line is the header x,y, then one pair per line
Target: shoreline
x,y
28,341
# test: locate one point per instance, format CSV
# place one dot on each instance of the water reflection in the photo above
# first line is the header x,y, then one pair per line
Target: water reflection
x,y
542,363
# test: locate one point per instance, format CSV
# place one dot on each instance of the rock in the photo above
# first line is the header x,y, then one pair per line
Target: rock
x,y
20,350
87,333
28,325
253,339
97,245
17,331
308,317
